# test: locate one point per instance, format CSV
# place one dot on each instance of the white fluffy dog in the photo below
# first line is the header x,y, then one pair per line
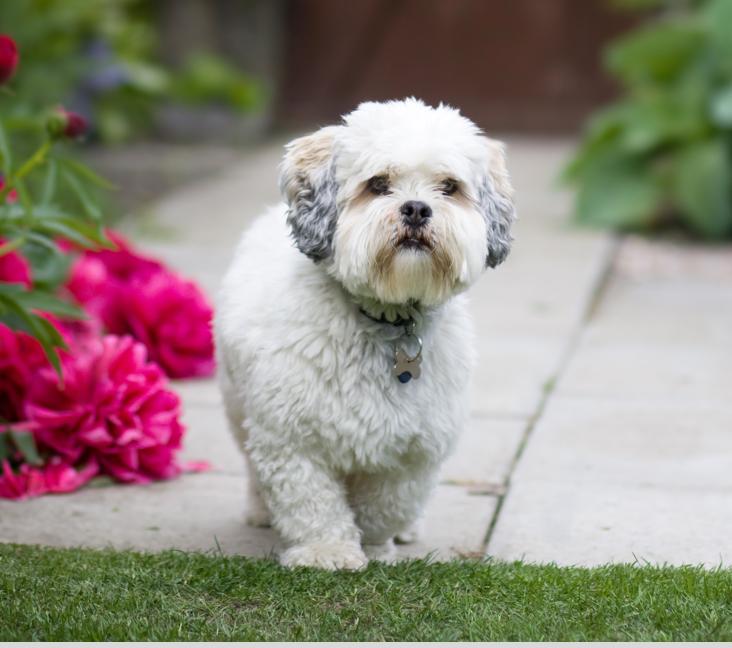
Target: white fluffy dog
x,y
345,356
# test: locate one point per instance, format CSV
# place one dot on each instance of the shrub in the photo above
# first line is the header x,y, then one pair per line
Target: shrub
x,y
662,155
103,57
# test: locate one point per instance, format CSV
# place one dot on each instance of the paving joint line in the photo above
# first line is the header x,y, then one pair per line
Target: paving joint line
x,y
597,294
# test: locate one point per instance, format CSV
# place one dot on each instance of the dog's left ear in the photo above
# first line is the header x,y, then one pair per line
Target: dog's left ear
x,y
308,185
495,197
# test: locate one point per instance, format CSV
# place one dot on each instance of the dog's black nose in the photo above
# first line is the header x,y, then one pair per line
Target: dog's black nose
x,y
415,212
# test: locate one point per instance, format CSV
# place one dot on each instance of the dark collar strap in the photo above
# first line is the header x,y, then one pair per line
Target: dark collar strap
x,y
399,321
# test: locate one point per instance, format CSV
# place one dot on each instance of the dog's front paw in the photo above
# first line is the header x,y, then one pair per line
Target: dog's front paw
x,y
409,535
326,555
385,552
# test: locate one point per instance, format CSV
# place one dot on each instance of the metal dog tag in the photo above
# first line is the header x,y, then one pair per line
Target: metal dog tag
x,y
407,367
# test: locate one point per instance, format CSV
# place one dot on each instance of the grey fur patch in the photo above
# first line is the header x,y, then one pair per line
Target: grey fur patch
x,y
499,215
313,213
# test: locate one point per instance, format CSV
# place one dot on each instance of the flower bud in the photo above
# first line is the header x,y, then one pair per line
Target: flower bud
x,y
8,57
64,123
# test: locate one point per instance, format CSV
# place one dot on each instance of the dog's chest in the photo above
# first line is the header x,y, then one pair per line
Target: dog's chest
x,y
380,421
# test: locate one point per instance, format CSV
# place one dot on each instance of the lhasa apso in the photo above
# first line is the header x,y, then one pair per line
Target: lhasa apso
x,y
344,342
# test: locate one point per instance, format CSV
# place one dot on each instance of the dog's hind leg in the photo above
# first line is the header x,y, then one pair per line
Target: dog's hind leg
x,y
257,512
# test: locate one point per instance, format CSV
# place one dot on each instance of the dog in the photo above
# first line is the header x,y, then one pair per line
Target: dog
x,y
343,339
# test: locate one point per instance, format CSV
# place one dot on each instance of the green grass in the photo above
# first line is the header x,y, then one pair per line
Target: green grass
x,y
56,594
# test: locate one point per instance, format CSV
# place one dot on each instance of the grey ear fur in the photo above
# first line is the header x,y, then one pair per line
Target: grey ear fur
x,y
495,198
308,185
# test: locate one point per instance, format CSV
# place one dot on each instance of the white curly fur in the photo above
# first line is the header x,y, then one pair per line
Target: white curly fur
x,y
342,455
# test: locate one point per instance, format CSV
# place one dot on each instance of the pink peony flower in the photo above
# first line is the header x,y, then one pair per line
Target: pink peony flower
x,y
99,281
133,295
98,291
14,268
21,356
12,196
114,409
55,477
124,262
173,319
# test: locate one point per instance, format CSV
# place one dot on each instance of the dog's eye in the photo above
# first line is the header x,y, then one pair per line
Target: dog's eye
x,y
379,185
449,186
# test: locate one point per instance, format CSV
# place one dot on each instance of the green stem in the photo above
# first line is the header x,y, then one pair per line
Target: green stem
x,y
11,245
39,157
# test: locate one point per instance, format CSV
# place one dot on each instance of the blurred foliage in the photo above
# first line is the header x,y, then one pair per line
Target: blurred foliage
x,y
662,155
99,58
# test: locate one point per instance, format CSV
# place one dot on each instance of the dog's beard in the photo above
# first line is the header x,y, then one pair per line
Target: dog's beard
x,y
382,259
414,265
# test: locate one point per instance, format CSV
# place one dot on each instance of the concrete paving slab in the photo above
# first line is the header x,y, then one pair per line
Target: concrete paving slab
x,y
484,455
201,512
513,373
198,391
631,456
663,373
575,522
649,444
455,525
208,438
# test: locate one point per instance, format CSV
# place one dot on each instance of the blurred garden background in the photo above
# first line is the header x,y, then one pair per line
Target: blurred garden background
x,y
646,81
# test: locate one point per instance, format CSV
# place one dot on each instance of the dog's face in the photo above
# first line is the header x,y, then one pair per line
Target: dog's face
x,y
402,203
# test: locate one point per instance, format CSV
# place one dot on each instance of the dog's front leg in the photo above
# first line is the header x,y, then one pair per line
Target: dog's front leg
x,y
309,509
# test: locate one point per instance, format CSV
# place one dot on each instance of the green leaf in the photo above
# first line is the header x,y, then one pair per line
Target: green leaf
x,y
661,119
49,184
90,208
721,107
49,303
657,53
85,234
147,77
26,445
41,329
50,265
717,16
7,158
6,450
619,192
9,246
25,198
702,188
85,172
43,241
601,136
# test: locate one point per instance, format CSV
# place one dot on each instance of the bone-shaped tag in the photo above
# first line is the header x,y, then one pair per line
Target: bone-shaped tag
x,y
406,368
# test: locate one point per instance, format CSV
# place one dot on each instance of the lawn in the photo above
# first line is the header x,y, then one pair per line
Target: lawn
x,y
61,594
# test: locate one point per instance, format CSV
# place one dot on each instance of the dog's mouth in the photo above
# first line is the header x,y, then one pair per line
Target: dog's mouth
x,y
414,241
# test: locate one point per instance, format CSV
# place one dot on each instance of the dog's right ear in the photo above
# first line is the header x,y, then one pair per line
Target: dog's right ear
x,y
308,185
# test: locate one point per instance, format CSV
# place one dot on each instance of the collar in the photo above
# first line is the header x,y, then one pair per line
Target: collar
x,y
399,321
398,315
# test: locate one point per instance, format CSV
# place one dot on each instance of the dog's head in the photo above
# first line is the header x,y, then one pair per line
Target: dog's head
x,y
401,203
